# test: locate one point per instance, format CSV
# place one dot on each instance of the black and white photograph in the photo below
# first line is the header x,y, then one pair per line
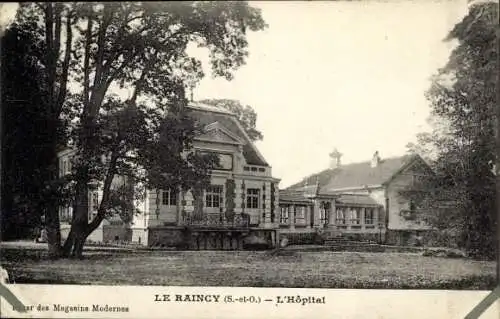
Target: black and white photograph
x,y
271,144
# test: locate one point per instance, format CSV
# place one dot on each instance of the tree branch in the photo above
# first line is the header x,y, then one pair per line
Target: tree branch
x,y
86,80
49,20
65,67
101,212
97,94
57,31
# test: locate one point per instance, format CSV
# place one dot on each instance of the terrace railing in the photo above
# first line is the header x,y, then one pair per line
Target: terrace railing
x,y
216,220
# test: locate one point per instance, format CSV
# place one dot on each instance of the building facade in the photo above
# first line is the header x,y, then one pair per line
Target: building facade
x,y
359,200
239,207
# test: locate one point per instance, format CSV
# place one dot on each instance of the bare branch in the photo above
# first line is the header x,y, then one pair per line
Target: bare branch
x,y
57,30
65,66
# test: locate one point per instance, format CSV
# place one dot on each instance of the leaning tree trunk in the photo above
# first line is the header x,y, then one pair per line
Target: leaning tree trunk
x,y
73,247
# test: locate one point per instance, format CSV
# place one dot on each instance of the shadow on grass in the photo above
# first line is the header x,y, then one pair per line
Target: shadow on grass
x,y
31,267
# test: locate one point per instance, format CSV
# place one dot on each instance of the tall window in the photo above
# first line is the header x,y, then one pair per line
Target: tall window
x,y
213,196
340,216
95,201
355,220
169,197
369,216
284,215
324,210
412,207
253,197
66,213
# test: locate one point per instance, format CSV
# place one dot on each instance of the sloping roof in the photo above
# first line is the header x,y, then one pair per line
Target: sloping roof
x,y
351,199
293,196
355,175
206,115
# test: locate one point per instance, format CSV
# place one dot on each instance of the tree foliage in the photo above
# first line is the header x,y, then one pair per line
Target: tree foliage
x,y
139,47
26,132
245,114
461,195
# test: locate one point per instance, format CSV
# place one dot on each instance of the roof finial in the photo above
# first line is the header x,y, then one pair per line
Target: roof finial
x,y
375,159
335,159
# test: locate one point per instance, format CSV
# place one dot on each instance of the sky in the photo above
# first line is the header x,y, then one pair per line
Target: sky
x,y
348,75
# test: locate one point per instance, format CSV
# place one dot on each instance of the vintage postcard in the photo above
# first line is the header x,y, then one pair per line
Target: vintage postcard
x,y
220,159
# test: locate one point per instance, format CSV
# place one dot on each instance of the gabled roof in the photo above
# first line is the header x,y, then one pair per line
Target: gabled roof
x,y
357,175
207,115
217,132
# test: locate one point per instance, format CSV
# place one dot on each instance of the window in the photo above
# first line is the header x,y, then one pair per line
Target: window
x,y
284,215
340,216
369,216
169,197
213,196
95,201
355,220
300,213
66,213
324,210
253,197
412,207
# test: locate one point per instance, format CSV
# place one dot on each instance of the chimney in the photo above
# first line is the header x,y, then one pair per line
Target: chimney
x,y
335,159
375,159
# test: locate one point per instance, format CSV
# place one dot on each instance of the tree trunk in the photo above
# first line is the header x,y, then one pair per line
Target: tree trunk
x,y
52,222
53,231
73,247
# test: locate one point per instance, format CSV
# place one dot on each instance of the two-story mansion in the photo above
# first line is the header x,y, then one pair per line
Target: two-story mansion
x,y
240,205
360,200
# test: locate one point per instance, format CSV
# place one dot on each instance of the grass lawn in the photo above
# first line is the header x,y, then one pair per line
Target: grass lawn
x,y
251,269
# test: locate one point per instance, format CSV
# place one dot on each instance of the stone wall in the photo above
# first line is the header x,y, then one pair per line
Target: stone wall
x,y
217,239
114,233
165,236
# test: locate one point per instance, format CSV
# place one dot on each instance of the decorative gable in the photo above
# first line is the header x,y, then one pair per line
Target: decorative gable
x,y
217,133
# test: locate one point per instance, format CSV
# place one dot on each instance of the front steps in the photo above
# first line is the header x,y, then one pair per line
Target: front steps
x,y
344,244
